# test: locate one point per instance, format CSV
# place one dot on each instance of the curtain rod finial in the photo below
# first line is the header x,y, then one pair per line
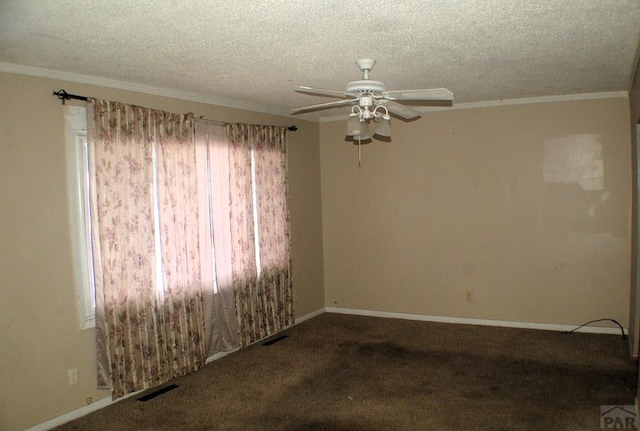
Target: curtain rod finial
x,y
292,128
62,95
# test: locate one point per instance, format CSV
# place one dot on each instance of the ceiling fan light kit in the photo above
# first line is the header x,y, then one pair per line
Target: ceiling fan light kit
x,y
367,122
384,127
372,104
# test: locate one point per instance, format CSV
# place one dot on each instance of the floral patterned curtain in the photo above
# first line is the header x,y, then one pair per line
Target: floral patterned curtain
x,y
261,269
145,219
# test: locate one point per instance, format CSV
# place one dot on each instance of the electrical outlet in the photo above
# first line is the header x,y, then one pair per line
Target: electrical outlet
x,y
73,376
468,296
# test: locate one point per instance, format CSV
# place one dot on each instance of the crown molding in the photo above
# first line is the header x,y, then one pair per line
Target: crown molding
x,y
506,102
228,103
140,88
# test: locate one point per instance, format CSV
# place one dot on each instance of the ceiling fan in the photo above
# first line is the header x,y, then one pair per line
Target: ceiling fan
x,y
371,100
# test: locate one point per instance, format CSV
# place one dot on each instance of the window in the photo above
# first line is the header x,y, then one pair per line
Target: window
x,y
212,165
78,178
254,197
80,216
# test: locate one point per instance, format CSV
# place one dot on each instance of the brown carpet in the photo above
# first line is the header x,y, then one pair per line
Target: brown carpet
x,y
350,373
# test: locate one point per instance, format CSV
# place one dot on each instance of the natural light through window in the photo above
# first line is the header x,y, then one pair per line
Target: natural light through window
x,y
78,176
80,196
254,193
156,228
211,217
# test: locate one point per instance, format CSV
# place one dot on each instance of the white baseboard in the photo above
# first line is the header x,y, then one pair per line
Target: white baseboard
x,y
482,322
221,354
357,312
83,411
75,414
310,315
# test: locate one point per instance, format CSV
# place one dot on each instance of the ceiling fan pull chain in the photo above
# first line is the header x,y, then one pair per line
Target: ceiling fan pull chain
x,y
359,155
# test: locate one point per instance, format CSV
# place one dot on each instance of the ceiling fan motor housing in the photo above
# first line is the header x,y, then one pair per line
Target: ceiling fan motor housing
x,y
366,87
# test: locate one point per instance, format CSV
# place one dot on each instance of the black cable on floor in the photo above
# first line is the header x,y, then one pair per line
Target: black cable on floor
x,y
599,320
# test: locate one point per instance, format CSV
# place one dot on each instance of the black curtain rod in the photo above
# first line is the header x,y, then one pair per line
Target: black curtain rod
x,y
292,128
63,95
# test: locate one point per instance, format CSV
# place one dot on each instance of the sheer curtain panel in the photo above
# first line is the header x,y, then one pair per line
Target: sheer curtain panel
x,y
221,328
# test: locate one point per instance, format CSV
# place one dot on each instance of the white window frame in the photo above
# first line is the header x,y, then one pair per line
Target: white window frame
x,y
76,146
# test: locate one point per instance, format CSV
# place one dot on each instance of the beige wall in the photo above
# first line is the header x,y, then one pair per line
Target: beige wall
x,y
507,202
634,120
39,335
460,200
634,89
634,306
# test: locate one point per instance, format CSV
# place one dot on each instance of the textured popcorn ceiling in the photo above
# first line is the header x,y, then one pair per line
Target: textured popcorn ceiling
x,y
250,52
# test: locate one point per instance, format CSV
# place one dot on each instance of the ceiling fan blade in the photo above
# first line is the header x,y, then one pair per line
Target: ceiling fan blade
x,y
426,94
401,110
324,105
322,92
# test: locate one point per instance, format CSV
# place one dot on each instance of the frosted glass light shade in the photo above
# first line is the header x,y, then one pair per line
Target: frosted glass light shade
x,y
366,131
354,125
384,127
362,137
